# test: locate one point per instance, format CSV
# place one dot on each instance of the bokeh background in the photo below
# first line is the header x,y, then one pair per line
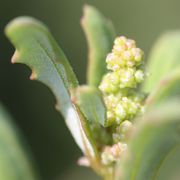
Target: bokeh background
x,y
32,104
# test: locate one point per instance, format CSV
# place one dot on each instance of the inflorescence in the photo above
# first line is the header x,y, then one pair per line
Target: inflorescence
x,y
120,92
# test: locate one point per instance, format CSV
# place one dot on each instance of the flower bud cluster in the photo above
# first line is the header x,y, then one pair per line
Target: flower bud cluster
x,y
120,92
123,78
113,153
120,108
119,85
124,54
122,131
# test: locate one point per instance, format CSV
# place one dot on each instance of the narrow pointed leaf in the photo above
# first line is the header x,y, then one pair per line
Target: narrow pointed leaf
x,y
154,139
91,103
100,35
15,159
36,48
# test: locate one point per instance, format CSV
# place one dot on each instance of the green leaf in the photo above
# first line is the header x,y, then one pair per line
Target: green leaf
x,y
15,159
163,59
155,138
36,48
100,35
91,104
167,87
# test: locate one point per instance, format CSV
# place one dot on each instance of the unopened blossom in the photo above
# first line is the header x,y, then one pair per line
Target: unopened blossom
x,y
113,153
119,85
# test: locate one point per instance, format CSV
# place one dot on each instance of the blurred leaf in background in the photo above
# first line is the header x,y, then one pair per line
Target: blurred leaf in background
x,y
78,173
16,161
154,145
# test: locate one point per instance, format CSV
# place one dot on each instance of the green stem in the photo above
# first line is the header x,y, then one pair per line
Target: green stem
x,y
109,175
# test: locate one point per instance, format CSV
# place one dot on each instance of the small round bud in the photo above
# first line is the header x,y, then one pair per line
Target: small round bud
x,y
112,154
138,54
130,43
106,157
139,75
108,84
121,40
125,126
127,55
120,113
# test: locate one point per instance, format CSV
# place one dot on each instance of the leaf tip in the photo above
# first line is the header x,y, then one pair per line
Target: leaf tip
x,y
88,11
86,7
57,106
23,21
85,10
15,23
33,75
15,57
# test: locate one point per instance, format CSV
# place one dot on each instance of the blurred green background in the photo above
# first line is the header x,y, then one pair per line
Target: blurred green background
x,y
31,103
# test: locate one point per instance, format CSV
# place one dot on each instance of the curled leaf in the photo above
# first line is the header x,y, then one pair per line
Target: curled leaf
x,y
36,48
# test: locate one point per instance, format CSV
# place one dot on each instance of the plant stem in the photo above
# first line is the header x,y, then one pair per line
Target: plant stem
x,y
109,175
